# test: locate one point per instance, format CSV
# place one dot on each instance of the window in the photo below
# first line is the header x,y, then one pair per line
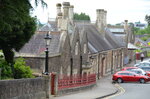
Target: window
x,y
76,48
123,74
85,48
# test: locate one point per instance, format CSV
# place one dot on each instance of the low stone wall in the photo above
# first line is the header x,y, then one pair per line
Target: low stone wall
x,y
36,88
76,89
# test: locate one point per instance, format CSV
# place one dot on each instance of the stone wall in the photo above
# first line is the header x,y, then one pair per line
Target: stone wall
x,y
36,88
76,89
38,63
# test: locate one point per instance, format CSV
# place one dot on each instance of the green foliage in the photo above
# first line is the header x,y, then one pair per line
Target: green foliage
x,y
148,53
145,38
138,51
16,26
147,18
136,30
81,16
142,31
5,69
21,70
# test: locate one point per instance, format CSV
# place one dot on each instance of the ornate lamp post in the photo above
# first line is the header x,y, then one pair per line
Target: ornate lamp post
x,y
47,41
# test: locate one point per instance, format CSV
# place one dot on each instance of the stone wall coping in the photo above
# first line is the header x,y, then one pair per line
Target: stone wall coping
x,y
34,55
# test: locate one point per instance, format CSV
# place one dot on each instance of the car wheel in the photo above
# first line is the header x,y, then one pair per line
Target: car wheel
x,y
119,80
142,80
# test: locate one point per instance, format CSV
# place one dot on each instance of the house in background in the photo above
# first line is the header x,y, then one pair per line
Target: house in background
x,y
140,42
140,25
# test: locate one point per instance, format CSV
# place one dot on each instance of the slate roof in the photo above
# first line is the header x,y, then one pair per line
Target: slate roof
x,y
139,40
97,42
36,45
50,26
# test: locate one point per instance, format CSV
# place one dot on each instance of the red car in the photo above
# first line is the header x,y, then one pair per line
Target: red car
x,y
127,76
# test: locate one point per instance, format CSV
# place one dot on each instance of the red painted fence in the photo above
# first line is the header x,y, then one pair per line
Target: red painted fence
x,y
75,81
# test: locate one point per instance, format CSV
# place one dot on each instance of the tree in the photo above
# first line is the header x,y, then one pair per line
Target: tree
x,y
81,16
147,18
16,26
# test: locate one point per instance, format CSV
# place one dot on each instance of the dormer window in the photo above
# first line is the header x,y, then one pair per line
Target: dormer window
x,y
76,48
85,48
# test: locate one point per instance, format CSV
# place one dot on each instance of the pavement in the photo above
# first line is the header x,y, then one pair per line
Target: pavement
x,y
104,88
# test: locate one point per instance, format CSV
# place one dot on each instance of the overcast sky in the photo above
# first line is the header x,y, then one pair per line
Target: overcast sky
x,y
117,10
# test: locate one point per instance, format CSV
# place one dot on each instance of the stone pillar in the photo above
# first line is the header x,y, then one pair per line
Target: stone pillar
x,y
47,86
66,10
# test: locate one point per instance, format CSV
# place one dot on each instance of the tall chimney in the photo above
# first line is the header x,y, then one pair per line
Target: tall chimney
x,y
66,10
59,21
59,16
105,18
101,20
58,5
126,31
71,13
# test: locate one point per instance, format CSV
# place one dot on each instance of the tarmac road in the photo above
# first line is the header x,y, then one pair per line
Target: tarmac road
x,y
132,91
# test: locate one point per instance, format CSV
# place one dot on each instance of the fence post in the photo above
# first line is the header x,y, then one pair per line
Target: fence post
x,y
54,83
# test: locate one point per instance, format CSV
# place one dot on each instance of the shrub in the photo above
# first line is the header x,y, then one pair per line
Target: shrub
x,y
21,70
5,69
148,53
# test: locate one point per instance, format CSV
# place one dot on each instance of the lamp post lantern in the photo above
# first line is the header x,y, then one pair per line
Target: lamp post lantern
x,y
47,41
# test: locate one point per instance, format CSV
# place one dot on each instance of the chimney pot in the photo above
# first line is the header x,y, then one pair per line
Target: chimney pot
x,y
58,5
126,20
66,4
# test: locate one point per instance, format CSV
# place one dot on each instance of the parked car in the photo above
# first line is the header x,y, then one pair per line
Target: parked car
x,y
144,63
146,69
135,70
128,68
128,76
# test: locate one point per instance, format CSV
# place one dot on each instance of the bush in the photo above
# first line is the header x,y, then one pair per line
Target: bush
x,y
6,72
21,70
148,53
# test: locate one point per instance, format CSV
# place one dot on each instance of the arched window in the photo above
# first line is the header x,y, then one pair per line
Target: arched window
x,y
76,48
85,48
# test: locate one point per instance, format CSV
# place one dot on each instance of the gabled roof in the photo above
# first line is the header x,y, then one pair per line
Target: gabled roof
x,y
50,26
36,45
